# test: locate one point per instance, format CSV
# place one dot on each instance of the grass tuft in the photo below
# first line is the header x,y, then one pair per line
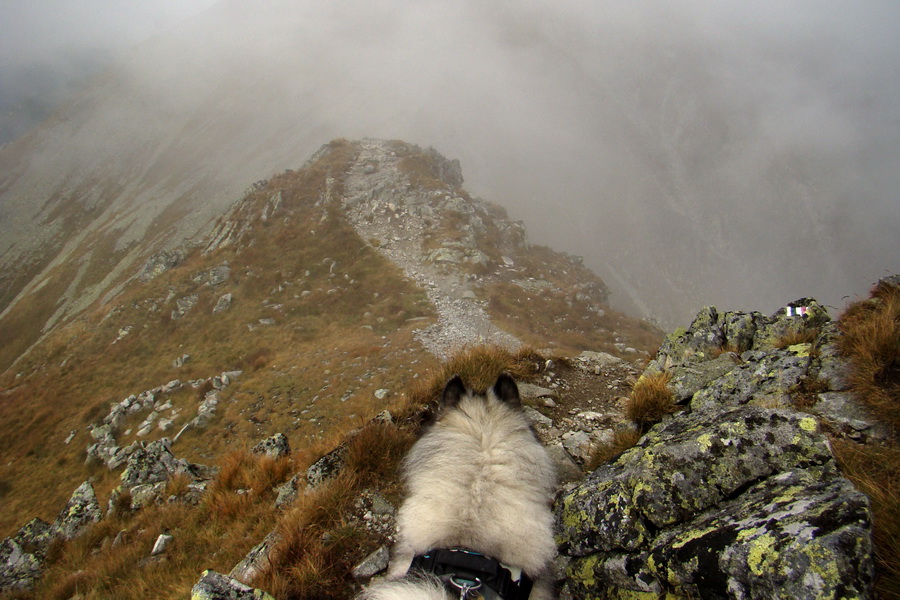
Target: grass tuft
x,y
605,453
875,470
651,399
871,342
479,366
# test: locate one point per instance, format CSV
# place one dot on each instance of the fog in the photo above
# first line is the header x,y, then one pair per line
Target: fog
x,y
50,48
726,153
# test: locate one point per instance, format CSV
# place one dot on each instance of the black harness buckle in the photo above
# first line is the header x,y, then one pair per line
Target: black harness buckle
x,y
465,571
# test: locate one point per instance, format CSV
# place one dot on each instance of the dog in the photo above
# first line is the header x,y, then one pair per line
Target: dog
x,y
476,521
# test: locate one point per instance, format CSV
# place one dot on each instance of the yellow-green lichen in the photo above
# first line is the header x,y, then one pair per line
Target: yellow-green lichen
x,y
800,349
692,535
808,424
584,570
705,441
761,554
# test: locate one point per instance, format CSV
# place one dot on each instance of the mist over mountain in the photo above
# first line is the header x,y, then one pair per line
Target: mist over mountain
x,y
712,154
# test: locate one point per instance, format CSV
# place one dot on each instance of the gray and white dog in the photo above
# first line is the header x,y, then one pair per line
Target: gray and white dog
x,y
479,482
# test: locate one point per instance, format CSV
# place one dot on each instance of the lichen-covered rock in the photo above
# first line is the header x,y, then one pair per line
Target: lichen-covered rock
x,y
81,510
763,379
215,586
35,536
276,446
711,332
688,379
728,502
801,534
326,467
156,463
18,569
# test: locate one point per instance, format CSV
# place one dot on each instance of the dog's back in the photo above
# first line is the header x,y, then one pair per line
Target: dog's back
x,y
477,479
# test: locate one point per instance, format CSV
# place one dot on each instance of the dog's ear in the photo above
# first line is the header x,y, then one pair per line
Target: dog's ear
x,y
453,392
506,390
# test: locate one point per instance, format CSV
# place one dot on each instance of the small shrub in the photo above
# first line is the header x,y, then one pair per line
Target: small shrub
x,y
651,399
176,485
799,336
871,341
375,452
875,470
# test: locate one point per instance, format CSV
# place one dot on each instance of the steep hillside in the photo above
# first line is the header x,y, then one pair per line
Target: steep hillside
x,y
322,293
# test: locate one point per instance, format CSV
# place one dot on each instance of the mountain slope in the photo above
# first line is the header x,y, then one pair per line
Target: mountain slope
x,y
329,287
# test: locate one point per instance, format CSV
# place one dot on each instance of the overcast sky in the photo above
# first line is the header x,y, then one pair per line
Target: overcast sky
x,y
735,153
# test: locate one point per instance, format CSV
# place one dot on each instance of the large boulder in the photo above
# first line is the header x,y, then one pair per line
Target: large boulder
x,y
727,502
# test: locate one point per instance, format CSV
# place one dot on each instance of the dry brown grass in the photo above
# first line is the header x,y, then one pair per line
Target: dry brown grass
x,y
651,399
795,337
875,470
479,366
315,547
871,341
604,453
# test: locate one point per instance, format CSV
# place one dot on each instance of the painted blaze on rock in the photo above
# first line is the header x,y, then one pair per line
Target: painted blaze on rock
x,y
730,502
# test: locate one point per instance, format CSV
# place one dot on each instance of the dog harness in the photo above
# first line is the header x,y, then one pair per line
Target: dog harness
x,y
472,574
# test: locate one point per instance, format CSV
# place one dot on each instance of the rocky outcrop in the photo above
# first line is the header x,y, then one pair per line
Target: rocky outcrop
x,y
156,464
738,496
81,510
215,586
22,556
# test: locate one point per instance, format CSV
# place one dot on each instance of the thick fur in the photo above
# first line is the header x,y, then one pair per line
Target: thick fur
x,y
478,478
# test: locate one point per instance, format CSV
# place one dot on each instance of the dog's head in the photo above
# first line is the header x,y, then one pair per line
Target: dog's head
x,y
504,389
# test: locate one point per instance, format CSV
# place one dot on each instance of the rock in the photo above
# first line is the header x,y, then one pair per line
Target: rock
x,y
765,378
566,468
688,379
179,362
165,424
218,275
223,303
276,446
161,262
723,503
18,569
184,305
70,437
287,492
373,564
590,361
35,536
256,560
162,543
529,391
170,387
537,418
326,467
156,463
81,510
578,445
215,586
381,394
